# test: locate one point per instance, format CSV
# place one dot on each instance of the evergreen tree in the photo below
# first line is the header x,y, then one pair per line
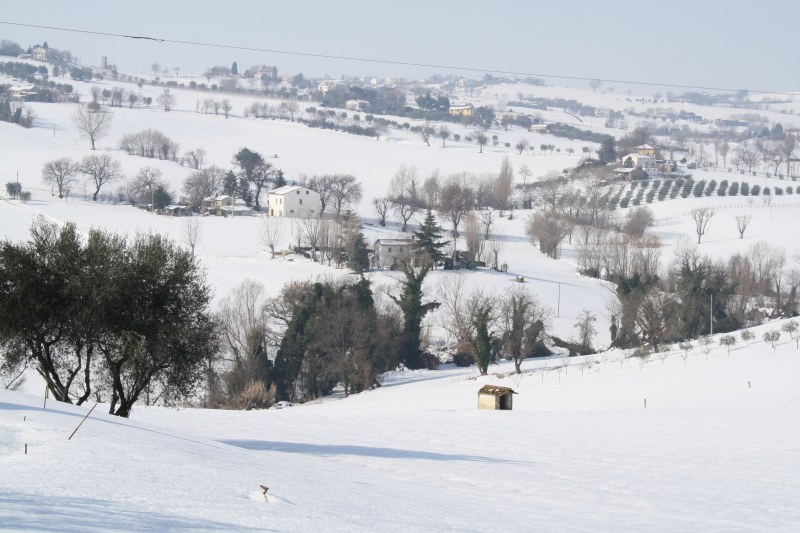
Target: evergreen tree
x,y
410,303
482,340
244,192
229,184
429,240
608,150
279,180
290,354
357,254
355,244
234,69
161,197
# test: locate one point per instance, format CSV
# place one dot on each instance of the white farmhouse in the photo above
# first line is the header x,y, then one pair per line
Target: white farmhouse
x,y
642,161
294,201
390,252
39,53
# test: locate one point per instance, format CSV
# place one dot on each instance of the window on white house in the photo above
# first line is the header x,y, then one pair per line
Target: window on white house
x,y
301,201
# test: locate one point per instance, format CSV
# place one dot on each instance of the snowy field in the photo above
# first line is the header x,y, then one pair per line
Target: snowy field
x,y
713,450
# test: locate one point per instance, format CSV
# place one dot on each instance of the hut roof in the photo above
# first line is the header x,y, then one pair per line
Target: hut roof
x,y
496,390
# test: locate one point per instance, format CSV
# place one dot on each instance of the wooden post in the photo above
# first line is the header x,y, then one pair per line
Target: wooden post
x,y
26,448
645,403
46,392
82,421
748,385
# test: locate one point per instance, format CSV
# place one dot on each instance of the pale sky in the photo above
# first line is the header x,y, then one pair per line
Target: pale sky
x,y
732,44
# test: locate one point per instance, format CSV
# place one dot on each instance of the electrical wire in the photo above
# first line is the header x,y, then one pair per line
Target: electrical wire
x,y
389,61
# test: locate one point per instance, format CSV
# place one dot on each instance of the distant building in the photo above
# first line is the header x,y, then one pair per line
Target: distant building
x,y
266,73
640,161
462,109
22,92
224,205
293,201
39,53
388,253
646,149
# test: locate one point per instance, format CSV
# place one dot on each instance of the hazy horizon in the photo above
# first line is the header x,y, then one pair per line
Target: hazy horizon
x,y
683,44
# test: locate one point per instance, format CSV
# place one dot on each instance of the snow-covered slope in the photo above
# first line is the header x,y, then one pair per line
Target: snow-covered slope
x,y
714,450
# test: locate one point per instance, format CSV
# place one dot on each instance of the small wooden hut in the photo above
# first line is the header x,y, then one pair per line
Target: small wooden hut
x,y
495,397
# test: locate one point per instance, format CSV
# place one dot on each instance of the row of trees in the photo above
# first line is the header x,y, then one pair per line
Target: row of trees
x,y
453,197
99,169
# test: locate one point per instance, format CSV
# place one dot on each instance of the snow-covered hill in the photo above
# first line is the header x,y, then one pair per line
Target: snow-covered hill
x,y
713,449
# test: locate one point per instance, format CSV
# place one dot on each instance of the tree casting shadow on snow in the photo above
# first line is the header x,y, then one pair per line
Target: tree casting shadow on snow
x,y
364,451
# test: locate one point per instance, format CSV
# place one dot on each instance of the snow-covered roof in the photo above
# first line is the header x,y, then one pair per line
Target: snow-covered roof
x,y
645,147
286,189
639,156
394,242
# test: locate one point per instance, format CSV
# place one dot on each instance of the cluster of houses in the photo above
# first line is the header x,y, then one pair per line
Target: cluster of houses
x,y
291,201
641,164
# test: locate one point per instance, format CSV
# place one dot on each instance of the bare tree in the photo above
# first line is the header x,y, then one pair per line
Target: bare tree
x,y
93,125
430,190
522,145
701,216
494,247
203,184
195,158
226,107
270,233
788,148
310,231
522,322
244,326
381,205
403,193
61,173
191,232
456,200
487,218
324,186
425,133
346,192
144,184
742,221
549,229
166,100
504,186
101,169
595,84
474,236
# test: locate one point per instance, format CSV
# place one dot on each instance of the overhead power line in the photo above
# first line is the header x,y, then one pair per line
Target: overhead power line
x,y
389,61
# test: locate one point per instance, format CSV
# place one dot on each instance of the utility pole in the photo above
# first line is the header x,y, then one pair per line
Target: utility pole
x,y
558,312
711,316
